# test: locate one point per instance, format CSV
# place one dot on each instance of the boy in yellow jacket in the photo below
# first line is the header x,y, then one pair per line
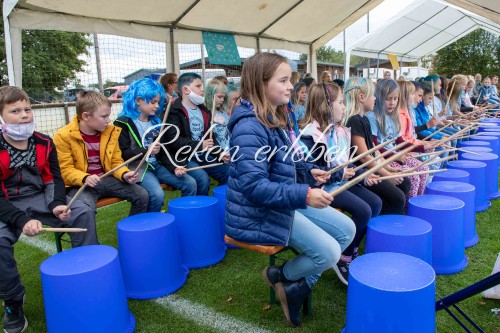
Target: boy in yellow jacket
x,y
88,147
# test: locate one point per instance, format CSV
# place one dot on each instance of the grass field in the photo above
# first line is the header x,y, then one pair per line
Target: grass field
x,y
231,296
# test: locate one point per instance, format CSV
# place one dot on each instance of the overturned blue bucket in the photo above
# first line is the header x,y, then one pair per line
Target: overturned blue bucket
x,y
446,215
452,175
475,143
491,161
400,234
150,255
466,193
473,149
198,223
83,292
490,137
390,293
477,173
220,193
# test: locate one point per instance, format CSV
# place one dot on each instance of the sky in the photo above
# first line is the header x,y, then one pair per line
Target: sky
x,y
121,56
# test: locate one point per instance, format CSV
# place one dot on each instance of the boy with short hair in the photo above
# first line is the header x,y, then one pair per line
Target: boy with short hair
x,y
32,192
187,142
88,147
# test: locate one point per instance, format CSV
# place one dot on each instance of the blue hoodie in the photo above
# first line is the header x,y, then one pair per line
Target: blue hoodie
x,y
422,116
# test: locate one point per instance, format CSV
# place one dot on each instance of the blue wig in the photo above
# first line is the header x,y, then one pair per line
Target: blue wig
x,y
146,89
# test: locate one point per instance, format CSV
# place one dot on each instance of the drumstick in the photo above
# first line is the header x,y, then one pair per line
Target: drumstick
x,y
204,166
437,131
411,174
80,190
150,150
434,153
360,156
63,230
365,174
444,159
213,115
449,95
464,150
151,147
395,148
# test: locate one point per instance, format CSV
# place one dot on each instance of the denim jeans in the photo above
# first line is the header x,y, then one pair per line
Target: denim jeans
x,y
320,235
112,187
160,175
220,173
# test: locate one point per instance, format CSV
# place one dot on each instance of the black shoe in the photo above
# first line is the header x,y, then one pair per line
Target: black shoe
x,y
273,275
342,270
292,295
14,320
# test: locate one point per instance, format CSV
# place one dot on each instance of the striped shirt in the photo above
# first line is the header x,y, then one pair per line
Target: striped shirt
x,y
93,144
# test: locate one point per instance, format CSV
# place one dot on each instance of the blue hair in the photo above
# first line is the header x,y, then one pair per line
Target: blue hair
x,y
146,89
434,78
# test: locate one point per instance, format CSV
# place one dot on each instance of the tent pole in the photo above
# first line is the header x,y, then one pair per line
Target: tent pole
x,y
171,60
314,64
98,62
378,64
202,53
347,65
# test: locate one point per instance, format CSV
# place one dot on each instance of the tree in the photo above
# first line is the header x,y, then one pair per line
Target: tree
x,y
50,59
328,54
478,52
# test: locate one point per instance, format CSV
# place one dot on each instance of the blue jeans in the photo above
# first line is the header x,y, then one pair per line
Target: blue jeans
x,y
219,173
320,235
160,175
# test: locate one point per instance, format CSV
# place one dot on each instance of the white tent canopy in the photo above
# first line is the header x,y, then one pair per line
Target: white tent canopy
x,y
296,25
422,29
489,9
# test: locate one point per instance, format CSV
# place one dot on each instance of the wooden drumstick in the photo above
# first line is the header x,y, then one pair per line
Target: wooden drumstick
x,y
80,190
63,230
360,156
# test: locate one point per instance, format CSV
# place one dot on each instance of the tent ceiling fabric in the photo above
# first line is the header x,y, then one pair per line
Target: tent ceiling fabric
x,y
421,29
489,9
302,21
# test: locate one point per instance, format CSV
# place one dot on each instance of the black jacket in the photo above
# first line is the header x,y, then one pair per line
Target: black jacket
x,y
178,135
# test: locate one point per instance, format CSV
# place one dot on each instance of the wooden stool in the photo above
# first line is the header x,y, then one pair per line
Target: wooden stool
x,y
271,251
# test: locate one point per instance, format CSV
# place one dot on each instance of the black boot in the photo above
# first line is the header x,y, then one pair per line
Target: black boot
x,y
273,275
292,295
14,320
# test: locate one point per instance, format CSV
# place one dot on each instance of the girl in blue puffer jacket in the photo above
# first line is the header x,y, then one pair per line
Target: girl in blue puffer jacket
x,y
269,199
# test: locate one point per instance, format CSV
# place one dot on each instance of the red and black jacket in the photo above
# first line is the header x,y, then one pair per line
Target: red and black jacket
x,y
23,182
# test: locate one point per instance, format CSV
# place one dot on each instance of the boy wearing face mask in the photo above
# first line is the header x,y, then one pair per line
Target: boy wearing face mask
x,y
187,143
32,192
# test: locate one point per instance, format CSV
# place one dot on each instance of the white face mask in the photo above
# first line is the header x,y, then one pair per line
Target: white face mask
x,y
18,132
195,98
